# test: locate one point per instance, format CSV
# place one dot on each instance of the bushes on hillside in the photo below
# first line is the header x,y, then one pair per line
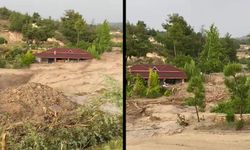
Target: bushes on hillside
x,y
3,40
93,51
27,59
17,58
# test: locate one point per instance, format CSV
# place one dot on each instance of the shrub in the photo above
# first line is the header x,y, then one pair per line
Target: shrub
x,y
224,107
2,63
139,88
84,45
230,117
153,90
168,93
239,124
27,59
181,60
2,40
93,51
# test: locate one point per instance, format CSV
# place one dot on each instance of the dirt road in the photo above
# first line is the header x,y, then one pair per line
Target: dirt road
x,y
193,141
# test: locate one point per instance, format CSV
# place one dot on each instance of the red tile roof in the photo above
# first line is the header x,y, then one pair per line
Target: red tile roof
x,y
164,71
64,53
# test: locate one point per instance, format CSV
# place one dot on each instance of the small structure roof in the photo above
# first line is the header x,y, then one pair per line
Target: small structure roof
x,y
164,71
64,53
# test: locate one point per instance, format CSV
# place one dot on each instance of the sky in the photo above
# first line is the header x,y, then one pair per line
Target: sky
x,y
230,16
92,10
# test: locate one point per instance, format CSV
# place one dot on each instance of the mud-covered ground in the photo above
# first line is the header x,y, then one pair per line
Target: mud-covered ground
x,y
152,123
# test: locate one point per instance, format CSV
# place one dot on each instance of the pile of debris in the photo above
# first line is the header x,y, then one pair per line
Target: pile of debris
x,y
32,101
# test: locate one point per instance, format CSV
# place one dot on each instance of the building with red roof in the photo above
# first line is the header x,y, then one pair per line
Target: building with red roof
x,y
62,55
166,73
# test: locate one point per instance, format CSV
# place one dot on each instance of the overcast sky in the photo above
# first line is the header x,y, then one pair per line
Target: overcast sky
x,y
231,16
92,10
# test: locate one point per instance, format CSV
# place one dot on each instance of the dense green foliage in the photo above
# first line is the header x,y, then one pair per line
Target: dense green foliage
x,y
5,13
195,86
102,41
93,131
17,21
84,128
153,90
139,87
239,87
212,57
191,69
137,42
73,26
17,58
180,39
3,40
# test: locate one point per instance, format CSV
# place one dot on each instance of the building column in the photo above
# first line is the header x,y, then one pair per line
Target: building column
x,y
54,59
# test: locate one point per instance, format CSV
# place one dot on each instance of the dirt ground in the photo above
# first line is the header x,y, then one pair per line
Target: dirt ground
x,y
152,123
193,141
80,80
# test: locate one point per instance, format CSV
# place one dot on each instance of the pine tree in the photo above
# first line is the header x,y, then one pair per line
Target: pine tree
x,y
195,86
103,40
239,87
212,54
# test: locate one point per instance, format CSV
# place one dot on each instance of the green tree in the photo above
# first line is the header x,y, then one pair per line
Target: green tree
x,y
36,18
137,42
180,39
73,26
27,58
93,51
191,69
4,13
239,87
103,40
17,21
230,47
195,86
153,90
39,32
80,29
139,88
211,59
3,40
